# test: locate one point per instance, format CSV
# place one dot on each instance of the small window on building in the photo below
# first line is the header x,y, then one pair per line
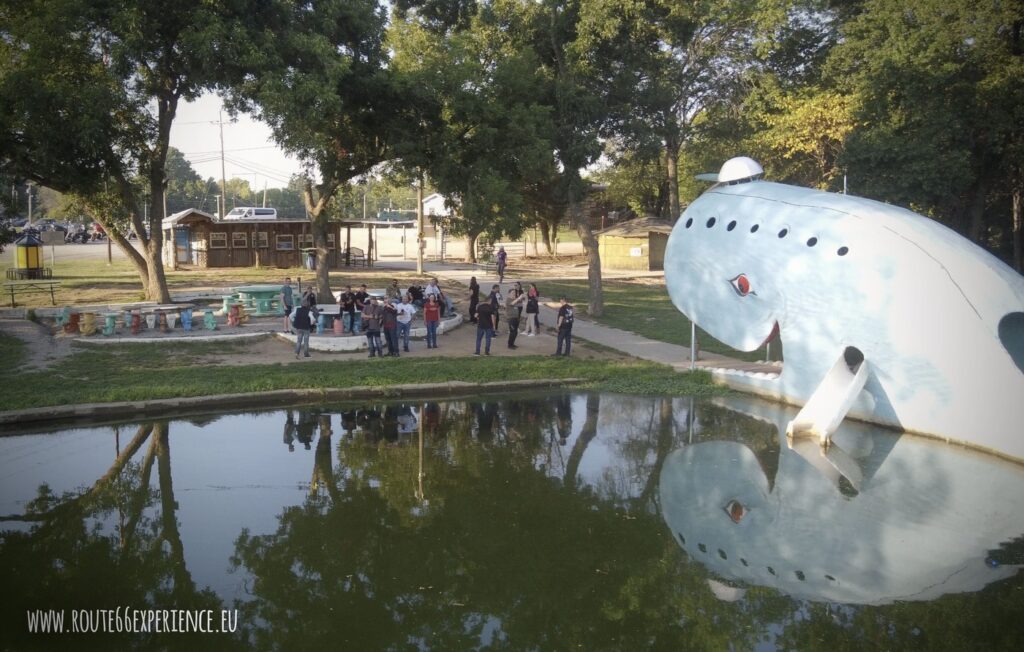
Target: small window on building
x,y
330,241
218,241
306,240
285,243
262,240
239,240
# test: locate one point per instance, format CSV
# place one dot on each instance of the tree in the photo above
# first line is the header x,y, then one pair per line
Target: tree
x,y
324,89
89,91
578,115
939,108
480,133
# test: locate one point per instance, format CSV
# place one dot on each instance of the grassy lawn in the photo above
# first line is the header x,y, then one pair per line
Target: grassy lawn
x,y
94,281
141,372
645,309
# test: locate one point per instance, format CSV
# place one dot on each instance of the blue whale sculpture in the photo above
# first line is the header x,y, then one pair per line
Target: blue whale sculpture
x,y
930,325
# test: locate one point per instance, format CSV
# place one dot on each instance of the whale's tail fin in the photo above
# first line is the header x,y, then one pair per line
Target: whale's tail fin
x,y
833,398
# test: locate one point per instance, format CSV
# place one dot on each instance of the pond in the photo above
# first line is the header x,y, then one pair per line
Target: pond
x,y
539,522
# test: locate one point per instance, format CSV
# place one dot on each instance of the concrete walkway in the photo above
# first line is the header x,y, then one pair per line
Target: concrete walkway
x,y
627,342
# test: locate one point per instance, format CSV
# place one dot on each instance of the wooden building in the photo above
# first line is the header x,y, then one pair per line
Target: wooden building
x,y
195,239
638,244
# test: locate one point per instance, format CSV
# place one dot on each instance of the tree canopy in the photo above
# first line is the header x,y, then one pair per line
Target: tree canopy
x,y
510,108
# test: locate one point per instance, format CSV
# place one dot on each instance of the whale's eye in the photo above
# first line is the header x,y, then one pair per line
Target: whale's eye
x,y
742,285
735,510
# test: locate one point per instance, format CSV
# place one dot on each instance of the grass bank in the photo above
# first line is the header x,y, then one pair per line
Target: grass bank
x,y
153,371
646,309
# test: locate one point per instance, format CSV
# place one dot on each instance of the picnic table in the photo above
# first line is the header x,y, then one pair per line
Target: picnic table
x,y
326,310
260,297
34,285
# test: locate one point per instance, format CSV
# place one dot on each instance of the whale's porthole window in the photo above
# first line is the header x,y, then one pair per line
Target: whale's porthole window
x,y
830,578
689,222
702,547
711,222
843,251
799,575
754,228
682,539
744,561
771,570
783,232
721,553
812,242
732,225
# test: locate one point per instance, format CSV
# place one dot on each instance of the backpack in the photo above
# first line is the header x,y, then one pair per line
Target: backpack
x,y
567,319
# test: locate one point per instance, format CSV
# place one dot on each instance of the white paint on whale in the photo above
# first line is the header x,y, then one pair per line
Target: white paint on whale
x,y
939,320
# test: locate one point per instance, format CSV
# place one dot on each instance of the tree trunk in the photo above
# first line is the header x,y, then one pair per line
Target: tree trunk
x,y
595,306
134,257
152,244
471,246
545,235
183,583
316,202
323,267
587,433
672,174
152,250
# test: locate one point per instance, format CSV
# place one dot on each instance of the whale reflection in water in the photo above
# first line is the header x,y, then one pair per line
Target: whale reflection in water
x,y
878,518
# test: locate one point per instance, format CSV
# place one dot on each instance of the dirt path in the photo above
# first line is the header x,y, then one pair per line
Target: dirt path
x,y
43,350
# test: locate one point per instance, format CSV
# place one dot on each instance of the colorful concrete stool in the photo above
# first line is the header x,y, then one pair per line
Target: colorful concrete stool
x,y
89,323
209,321
109,323
186,319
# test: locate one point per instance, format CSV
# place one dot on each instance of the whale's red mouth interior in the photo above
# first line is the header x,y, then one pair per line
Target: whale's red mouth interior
x,y
774,335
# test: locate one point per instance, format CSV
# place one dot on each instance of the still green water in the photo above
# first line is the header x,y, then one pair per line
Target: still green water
x,y
531,522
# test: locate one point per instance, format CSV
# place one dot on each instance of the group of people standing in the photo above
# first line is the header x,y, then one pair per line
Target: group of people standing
x,y
391,317
486,315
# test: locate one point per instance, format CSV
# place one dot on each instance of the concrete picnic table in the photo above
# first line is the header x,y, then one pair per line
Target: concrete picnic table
x,y
261,297
332,310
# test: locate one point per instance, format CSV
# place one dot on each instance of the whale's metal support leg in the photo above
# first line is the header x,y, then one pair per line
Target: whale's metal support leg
x,y
830,402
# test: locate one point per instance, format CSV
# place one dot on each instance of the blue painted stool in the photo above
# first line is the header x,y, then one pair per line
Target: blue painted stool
x,y
186,319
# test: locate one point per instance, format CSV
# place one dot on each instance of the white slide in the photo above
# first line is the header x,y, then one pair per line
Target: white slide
x,y
830,402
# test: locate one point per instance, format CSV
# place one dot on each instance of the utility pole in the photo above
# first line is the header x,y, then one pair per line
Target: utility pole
x,y
223,174
420,242
28,191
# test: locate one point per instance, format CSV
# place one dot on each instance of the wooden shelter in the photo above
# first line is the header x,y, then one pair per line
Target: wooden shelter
x,y
195,238
638,244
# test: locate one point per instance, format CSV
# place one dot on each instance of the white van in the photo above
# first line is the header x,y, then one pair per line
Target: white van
x,y
251,213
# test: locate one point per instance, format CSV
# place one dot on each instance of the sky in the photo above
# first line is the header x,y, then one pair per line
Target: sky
x,y
249,150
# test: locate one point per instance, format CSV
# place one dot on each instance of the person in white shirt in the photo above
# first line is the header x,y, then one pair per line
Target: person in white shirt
x,y
405,310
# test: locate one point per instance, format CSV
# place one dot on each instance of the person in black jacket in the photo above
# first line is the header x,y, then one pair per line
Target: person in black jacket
x,y
304,318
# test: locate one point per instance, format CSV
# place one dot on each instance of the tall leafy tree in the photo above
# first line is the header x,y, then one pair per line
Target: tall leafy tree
x,y
324,88
89,92
489,136
578,114
940,110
